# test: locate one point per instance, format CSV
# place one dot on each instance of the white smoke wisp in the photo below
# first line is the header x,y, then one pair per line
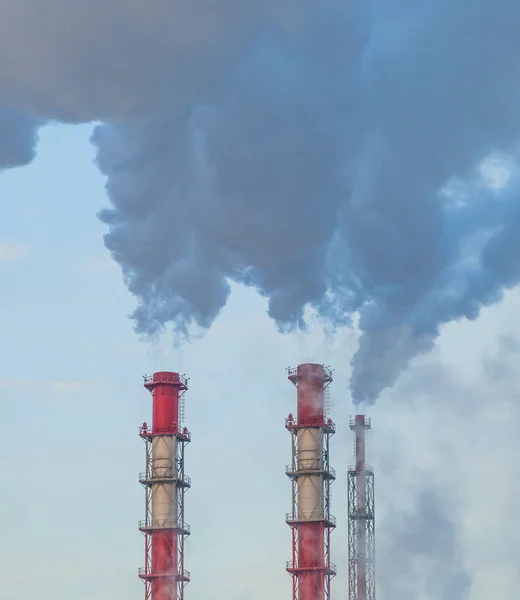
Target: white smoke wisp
x,y
301,148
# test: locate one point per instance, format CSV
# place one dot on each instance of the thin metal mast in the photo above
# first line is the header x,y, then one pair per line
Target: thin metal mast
x,y
361,518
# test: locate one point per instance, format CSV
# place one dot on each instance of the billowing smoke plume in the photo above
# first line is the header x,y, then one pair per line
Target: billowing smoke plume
x,y
327,154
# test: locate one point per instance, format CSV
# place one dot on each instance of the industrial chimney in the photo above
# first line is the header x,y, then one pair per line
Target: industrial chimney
x,y
361,518
165,484
311,476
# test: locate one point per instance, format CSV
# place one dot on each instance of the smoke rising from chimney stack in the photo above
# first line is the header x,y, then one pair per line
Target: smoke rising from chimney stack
x,y
307,150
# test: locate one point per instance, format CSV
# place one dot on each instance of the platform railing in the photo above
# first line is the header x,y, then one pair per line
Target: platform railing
x,y
149,572
309,465
309,518
150,524
165,473
293,566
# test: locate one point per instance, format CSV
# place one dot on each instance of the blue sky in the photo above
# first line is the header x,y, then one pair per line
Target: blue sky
x,y
72,401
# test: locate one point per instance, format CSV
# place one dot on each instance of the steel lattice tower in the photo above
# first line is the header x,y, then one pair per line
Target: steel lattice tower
x,y
361,518
165,483
311,475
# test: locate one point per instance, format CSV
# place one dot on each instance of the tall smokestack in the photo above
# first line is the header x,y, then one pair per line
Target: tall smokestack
x,y
361,518
165,484
311,476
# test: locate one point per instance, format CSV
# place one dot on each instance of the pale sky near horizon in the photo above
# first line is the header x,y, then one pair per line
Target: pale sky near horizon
x,y
443,445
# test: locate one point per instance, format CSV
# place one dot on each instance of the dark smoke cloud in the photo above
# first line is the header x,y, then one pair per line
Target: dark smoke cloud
x,y
18,138
298,147
247,186
102,59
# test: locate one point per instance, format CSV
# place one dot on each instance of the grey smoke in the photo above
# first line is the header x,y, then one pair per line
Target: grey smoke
x,y
18,138
80,61
301,148
424,558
